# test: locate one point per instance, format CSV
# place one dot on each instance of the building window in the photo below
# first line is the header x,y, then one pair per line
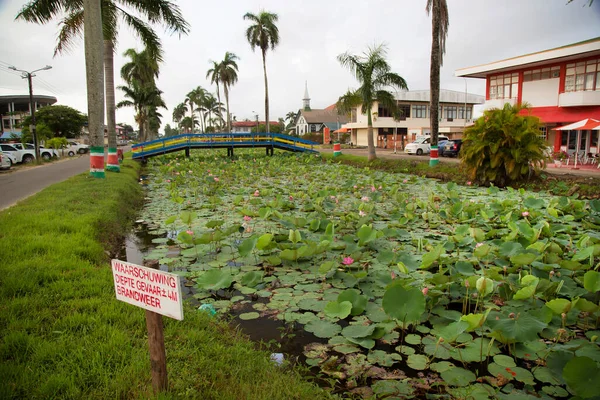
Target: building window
x,y
353,115
313,128
461,113
419,111
383,112
581,76
404,111
451,112
504,86
543,133
541,73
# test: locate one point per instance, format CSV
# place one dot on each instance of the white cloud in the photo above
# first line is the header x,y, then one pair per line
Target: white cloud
x,y
312,34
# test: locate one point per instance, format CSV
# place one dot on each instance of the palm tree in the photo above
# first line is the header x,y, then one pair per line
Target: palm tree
x,y
263,33
374,74
95,83
439,31
214,74
112,11
212,107
196,96
228,76
179,113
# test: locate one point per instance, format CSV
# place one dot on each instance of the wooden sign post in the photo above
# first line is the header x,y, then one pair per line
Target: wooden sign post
x,y
159,293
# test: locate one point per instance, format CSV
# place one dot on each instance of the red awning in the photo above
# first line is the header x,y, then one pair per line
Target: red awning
x,y
564,115
583,125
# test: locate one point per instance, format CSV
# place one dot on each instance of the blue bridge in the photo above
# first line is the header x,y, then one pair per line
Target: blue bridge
x,y
229,141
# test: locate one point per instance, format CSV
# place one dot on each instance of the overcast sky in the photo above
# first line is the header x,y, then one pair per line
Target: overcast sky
x,y
312,34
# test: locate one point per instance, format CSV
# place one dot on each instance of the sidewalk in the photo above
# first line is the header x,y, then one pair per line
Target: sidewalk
x,y
582,170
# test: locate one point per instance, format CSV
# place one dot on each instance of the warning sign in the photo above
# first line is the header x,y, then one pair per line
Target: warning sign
x,y
148,288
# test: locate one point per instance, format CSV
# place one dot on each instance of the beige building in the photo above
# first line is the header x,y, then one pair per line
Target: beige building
x,y
456,113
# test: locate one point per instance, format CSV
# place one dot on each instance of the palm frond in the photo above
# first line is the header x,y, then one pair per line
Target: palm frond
x,y
71,29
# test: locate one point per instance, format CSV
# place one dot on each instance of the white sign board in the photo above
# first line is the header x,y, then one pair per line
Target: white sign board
x,y
148,288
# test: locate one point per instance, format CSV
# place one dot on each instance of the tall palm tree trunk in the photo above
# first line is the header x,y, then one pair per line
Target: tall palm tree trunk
x,y
267,125
92,27
370,141
434,82
192,115
226,90
109,76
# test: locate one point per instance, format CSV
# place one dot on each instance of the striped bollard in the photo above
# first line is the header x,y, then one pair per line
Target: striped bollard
x,y
433,156
337,149
112,163
97,162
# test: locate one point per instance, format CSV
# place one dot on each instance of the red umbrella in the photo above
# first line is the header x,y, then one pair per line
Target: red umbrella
x,y
588,124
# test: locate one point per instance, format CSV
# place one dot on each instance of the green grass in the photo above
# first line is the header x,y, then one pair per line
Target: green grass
x,y
587,187
63,334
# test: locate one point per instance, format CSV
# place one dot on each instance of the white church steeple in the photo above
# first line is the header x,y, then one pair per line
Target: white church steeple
x,y
306,99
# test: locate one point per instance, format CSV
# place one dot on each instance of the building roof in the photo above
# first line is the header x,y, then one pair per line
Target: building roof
x,y
569,52
251,124
323,116
24,99
446,96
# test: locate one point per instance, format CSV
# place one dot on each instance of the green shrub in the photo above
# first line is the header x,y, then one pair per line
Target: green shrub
x,y
503,147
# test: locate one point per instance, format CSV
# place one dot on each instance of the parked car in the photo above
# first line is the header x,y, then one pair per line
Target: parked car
x,y
441,144
45,153
452,148
21,156
421,145
75,148
5,161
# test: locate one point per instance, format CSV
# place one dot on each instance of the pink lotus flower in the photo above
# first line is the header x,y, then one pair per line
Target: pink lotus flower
x,y
291,198
168,181
469,183
247,218
189,231
478,245
467,284
373,188
405,181
256,193
347,260
393,275
216,179
365,199
425,291
362,213
355,187
525,213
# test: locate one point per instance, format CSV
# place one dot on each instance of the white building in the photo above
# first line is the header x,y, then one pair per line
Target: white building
x,y
13,108
456,113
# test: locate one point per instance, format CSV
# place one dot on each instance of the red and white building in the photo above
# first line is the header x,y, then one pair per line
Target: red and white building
x,y
562,86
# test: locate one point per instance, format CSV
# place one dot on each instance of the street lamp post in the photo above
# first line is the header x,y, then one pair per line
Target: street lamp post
x,y
30,75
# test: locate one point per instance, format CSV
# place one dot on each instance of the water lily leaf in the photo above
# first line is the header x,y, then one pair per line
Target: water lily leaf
x,y
525,293
591,281
333,309
251,279
451,331
441,366
326,267
358,301
509,249
264,241
382,358
555,391
323,329
559,306
533,203
457,376
524,258
388,388
214,279
417,361
366,234
504,361
474,320
405,305
247,246
358,331
367,343
187,217
429,258
464,268
412,339
521,328
544,374
248,316
585,305
582,375
584,254
312,304
346,349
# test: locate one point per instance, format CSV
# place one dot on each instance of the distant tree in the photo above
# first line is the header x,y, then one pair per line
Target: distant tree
x,y
439,31
228,76
179,112
374,75
43,133
196,97
275,128
290,117
61,120
503,147
187,123
264,34
171,131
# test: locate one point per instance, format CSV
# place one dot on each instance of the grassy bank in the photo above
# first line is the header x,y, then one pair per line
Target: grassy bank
x,y
561,185
63,334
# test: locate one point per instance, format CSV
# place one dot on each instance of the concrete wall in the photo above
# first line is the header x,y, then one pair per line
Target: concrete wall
x,y
542,93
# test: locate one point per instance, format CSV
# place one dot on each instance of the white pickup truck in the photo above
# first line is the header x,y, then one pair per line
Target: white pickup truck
x,y
45,153
75,148
21,156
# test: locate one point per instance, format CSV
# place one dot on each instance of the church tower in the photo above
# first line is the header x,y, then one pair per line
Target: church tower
x,y
306,99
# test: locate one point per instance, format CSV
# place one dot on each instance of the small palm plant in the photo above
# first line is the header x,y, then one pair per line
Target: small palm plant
x,y
503,147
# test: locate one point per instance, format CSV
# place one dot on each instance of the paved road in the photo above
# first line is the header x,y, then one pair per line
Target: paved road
x,y
20,184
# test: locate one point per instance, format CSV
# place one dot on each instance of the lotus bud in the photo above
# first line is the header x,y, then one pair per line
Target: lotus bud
x,y
425,291
511,315
552,273
563,316
467,284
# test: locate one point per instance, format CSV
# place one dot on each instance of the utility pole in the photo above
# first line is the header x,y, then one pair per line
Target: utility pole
x,y
32,127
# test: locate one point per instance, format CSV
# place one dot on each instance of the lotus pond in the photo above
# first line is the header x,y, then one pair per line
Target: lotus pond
x,y
409,287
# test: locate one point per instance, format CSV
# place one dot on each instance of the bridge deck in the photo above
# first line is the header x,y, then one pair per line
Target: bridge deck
x,y
220,141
